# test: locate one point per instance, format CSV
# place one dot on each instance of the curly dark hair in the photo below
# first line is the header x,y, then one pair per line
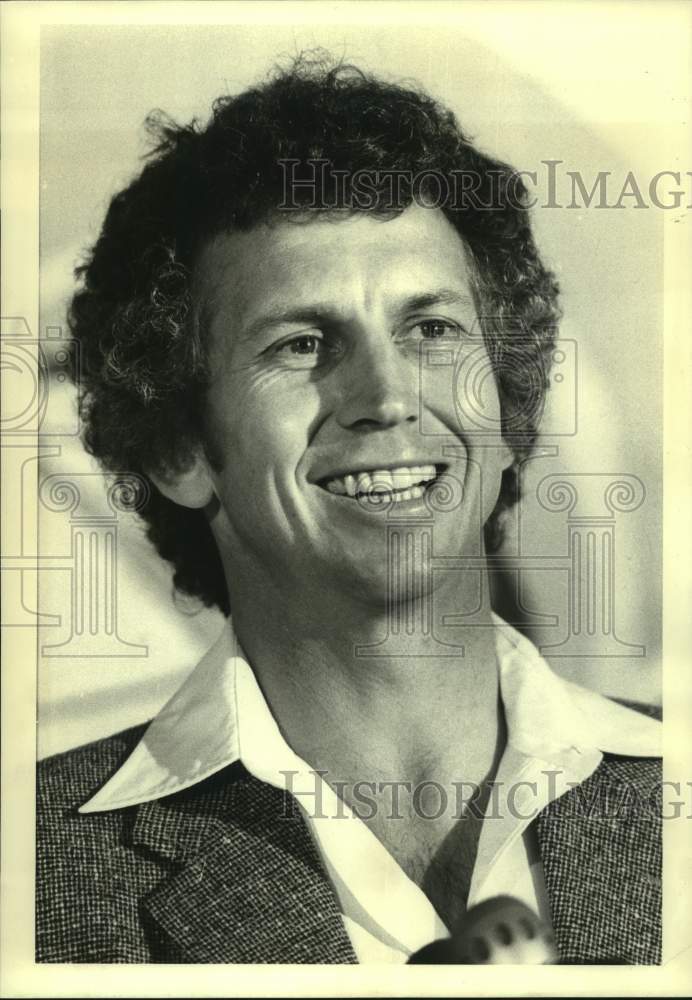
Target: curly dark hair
x,y
142,368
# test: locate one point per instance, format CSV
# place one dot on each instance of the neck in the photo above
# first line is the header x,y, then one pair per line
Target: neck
x,y
367,710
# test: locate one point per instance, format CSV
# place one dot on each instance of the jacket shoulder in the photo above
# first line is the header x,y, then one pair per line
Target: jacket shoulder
x,y
70,778
601,849
88,877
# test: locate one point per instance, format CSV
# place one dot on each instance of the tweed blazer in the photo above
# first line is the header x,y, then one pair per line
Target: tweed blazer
x,y
227,870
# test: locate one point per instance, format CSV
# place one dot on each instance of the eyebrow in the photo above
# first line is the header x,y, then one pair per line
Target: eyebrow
x,y
321,312
438,297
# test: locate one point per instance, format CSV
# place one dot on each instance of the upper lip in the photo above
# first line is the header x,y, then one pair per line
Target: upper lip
x,y
370,465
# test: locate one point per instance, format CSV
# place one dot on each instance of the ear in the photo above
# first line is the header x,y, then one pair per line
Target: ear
x,y
191,488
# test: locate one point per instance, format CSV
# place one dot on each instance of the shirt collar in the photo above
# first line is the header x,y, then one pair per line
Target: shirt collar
x,y
197,732
548,715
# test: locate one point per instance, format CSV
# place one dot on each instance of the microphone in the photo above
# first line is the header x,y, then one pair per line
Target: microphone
x,y
498,931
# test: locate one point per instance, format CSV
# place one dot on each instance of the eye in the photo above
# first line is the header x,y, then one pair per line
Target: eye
x,y
304,350
307,343
433,329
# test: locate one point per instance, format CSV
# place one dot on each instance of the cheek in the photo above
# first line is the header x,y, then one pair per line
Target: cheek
x,y
476,397
459,385
261,428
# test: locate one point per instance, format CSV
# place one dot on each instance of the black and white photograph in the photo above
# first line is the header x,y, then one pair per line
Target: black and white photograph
x,y
345,441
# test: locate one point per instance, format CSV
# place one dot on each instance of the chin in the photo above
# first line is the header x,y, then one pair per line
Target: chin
x,y
378,586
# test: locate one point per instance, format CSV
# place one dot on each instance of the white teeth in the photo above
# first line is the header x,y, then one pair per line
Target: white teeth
x,y
364,483
405,478
382,481
401,483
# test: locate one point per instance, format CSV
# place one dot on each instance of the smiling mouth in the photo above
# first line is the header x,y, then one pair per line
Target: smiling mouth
x,y
403,483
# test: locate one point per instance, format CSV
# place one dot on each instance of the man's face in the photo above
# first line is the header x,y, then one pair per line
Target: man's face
x,y
327,411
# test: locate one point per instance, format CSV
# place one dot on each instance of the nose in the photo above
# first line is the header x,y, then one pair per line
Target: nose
x,y
379,387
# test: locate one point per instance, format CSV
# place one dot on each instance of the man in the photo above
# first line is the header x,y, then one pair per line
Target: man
x,y
320,328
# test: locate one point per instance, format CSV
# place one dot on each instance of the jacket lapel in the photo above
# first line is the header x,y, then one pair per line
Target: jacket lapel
x,y
249,884
600,845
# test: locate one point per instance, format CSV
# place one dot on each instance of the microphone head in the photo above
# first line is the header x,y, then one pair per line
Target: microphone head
x,y
498,931
503,931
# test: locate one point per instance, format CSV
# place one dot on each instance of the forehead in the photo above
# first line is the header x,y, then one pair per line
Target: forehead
x,y
359,260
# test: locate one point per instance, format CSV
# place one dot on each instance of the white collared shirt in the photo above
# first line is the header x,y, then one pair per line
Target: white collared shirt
x,y
557,732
